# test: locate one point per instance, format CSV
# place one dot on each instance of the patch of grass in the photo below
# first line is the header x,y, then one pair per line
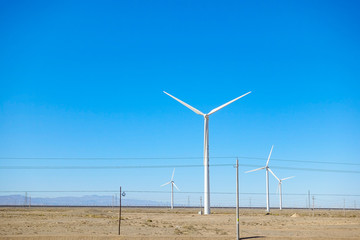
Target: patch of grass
x,y
177,231
189,228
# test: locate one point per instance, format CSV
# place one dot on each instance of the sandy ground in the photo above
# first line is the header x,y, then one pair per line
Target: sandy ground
x,y
161,223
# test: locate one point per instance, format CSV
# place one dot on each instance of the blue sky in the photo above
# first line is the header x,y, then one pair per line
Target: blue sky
x,y
85,79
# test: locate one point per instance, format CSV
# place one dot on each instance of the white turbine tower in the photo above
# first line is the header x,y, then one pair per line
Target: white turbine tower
x,y
172,188
206,146
279,186
267,180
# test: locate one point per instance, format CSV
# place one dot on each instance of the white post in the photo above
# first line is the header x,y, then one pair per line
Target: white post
x,y
206,167
267,191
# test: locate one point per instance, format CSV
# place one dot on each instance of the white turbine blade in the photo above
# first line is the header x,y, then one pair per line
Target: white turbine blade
x,y
165,184
274,174
267,163
172,177
255,170
224,105
287,178
176,186
185,104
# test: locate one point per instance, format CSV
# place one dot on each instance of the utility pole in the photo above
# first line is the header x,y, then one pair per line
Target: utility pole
x,y
250,202
121,194
313,198
29,201
309,199
237,200
200,205
188,201
344,208
120,211
25,201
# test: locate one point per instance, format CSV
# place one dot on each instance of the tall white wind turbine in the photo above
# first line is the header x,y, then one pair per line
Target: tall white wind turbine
x,y
279,186
206,146
267,179
172,188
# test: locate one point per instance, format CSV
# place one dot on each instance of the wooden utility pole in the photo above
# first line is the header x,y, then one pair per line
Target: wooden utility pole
x,y
120,211
313,198
237,200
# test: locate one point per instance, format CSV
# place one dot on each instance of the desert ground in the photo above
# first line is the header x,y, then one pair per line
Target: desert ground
x,y
179,223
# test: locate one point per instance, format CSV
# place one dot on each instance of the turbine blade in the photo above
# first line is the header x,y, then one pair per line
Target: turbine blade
x,y
224,105
287,178
165,184
172,177
255,170
267,163
176,186
185,104
274,174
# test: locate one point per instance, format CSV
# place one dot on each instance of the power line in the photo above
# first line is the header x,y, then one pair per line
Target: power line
x,y
164,166
109,167
172,158
167,192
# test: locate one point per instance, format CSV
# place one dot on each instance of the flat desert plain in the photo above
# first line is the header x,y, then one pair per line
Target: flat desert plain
x,y
179,223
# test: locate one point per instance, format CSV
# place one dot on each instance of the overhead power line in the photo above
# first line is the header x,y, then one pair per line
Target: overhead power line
x,y
167,192
164,166
172,158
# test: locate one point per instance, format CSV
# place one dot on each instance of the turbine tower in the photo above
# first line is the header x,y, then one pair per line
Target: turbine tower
x,y
267,179
172,188
279,186
206,146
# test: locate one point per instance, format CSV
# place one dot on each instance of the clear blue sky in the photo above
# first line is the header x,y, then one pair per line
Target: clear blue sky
x,y
85,79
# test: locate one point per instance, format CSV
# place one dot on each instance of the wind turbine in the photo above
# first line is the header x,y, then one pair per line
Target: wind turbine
x,y
267,179
206,146
172,188
279,186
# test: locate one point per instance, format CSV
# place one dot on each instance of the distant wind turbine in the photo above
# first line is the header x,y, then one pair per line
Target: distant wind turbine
x,y
206,146
172,188
267,179
279,186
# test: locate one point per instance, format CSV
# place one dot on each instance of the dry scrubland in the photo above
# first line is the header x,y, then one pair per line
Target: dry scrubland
x,y
161,223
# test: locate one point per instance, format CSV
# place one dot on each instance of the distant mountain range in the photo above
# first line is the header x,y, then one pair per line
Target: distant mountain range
x,y
88,200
